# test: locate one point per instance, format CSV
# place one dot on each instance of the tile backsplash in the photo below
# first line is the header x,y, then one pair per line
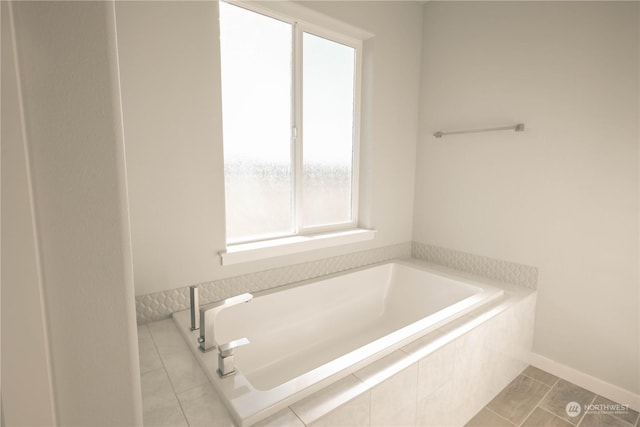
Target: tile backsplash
x,y
491,268
160,305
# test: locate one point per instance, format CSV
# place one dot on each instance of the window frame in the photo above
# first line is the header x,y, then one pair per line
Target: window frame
x,y
299,27
299,30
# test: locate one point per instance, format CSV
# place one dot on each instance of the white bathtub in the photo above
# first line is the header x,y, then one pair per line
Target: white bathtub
x,y
306,335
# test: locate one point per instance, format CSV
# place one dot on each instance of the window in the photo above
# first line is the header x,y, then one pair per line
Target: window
x,y
290,126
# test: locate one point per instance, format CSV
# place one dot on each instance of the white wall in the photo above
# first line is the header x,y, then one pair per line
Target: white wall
x,y
563,195
76,185
172,115
172,118
25,351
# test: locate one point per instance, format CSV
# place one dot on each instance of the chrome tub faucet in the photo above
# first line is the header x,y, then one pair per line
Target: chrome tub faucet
x,y
195,307
226,358
205,323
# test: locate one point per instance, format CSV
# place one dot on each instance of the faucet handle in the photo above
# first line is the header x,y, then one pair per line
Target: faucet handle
x,y
195,307
226,365
228,302
226,349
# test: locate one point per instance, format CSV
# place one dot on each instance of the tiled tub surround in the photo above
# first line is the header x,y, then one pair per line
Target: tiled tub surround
x,y
491,268
309,335
441,379
161,305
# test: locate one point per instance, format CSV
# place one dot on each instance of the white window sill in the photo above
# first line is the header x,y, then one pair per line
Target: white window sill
x,y
246,252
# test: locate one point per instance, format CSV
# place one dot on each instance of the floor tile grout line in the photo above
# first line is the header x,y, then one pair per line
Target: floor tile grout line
x,y
539,401
585,412
500,416
537,380
551,413
184,414
635,423
632,424
175,394
626,423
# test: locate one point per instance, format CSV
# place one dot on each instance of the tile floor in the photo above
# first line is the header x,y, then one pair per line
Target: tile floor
x,y
176,392
538,399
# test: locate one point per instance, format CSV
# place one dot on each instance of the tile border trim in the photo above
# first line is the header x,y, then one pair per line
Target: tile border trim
x,y
160,305
490,268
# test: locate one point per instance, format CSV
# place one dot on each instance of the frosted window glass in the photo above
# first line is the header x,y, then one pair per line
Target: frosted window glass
x,y
328,102
256,104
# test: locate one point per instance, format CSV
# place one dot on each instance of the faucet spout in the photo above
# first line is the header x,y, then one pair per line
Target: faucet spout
x,y
208,315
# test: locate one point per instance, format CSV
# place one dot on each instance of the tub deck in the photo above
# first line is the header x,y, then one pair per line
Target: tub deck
x,y
307,335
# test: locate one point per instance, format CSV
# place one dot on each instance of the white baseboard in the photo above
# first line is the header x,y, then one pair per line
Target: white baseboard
x,y
596,385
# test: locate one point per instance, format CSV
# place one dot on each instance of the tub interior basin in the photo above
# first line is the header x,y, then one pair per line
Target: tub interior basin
x,y
329,324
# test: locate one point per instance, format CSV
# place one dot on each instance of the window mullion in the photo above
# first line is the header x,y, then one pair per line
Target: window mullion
x,y
297,130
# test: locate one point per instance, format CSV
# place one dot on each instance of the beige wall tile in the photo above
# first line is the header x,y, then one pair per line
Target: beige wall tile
x,y
435,370
326,400
393,402
435,409
283,418
355,413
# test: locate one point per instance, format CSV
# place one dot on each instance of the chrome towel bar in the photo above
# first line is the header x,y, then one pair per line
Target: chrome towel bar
x,y
518,128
